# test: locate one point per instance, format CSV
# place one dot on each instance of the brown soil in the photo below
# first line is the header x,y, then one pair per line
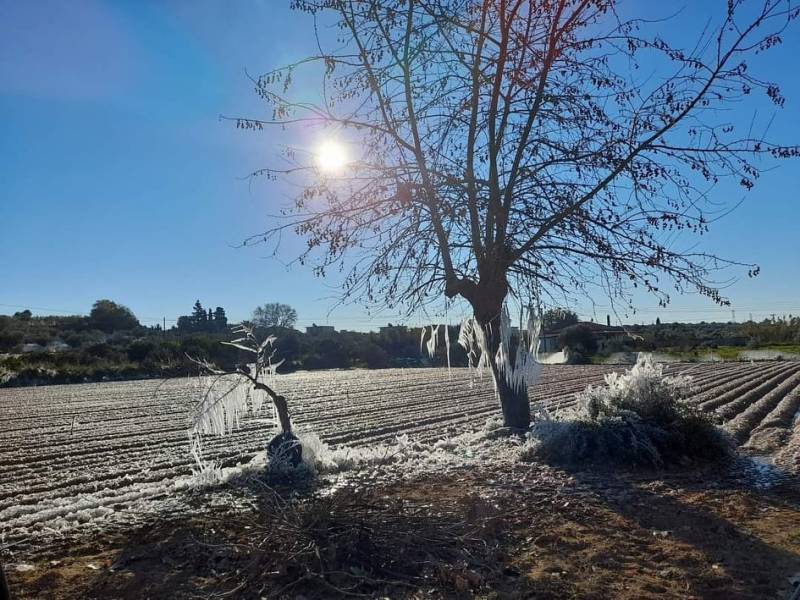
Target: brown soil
x,y
521,531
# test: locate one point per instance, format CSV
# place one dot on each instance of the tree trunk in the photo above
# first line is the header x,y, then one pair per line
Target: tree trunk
x,y
281,407
514,403
283,413
5,592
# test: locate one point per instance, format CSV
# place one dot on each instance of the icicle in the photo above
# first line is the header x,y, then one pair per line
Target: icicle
x,y
432,342
447,345
224,402
465,334
471,337
526,369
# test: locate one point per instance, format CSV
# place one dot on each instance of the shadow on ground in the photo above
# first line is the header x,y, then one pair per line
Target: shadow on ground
x,y
520,531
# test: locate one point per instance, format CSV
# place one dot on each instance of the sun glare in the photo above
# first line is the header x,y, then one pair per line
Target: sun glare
x,y
331,156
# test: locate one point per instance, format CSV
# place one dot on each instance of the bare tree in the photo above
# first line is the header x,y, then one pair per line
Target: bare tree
x,y
274,314
527,147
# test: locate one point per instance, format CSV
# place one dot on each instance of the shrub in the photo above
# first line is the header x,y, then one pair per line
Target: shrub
x,y
581,342
139,350
638,418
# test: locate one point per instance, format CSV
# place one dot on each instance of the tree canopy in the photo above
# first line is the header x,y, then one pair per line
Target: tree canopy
x,y
274,314
518,147
558,318
109,316
516,143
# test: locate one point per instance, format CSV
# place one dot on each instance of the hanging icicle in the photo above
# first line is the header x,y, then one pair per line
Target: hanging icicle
x,y
525,369
433,341
447,346
473,340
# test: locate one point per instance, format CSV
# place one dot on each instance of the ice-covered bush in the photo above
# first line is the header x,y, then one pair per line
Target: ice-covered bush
x,y
637,418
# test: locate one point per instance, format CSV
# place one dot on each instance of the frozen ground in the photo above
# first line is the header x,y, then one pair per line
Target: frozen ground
x,y
77,459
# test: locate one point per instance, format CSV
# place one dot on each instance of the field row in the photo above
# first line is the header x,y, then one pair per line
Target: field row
x,y
72,454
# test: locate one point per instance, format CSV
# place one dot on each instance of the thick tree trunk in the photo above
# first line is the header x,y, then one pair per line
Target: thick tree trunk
x,y
514,403
487,298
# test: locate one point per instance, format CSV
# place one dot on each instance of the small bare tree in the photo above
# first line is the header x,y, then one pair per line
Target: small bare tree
x,y
227,396
516,146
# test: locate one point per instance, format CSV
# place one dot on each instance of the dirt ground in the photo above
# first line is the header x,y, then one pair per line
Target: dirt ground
x,y
521,531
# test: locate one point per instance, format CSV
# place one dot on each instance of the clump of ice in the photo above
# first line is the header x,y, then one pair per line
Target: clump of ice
x,y
644,388
402,457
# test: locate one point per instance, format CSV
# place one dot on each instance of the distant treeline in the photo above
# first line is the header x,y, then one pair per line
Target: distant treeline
x,y
782,330
56,349
110,343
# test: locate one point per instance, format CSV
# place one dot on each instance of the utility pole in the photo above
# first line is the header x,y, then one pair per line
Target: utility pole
x,y
164,327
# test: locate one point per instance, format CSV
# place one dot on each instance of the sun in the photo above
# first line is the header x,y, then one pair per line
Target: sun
x,y
331,156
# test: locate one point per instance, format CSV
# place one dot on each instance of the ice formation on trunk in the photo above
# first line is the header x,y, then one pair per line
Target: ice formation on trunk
x,y
447,345
525,369
473,340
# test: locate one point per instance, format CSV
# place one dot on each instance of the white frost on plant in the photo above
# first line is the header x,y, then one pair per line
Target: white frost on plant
x,y
473,340
644,385
223,401
447,346
526,369
433,340
320,458
205,472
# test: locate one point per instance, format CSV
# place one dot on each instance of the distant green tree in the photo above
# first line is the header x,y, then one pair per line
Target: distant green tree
x,y
220,319
275,314
139,350
580,340
24,315
558,318
199,316
185,324
10,339
108,316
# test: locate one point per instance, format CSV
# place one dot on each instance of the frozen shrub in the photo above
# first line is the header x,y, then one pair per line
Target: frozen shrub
x,y
638,418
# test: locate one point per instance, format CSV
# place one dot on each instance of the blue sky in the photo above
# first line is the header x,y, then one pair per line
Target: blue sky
x,y
118,179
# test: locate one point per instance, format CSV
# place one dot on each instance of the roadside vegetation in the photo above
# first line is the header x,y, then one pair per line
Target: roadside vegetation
x,y
73,349
111,344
